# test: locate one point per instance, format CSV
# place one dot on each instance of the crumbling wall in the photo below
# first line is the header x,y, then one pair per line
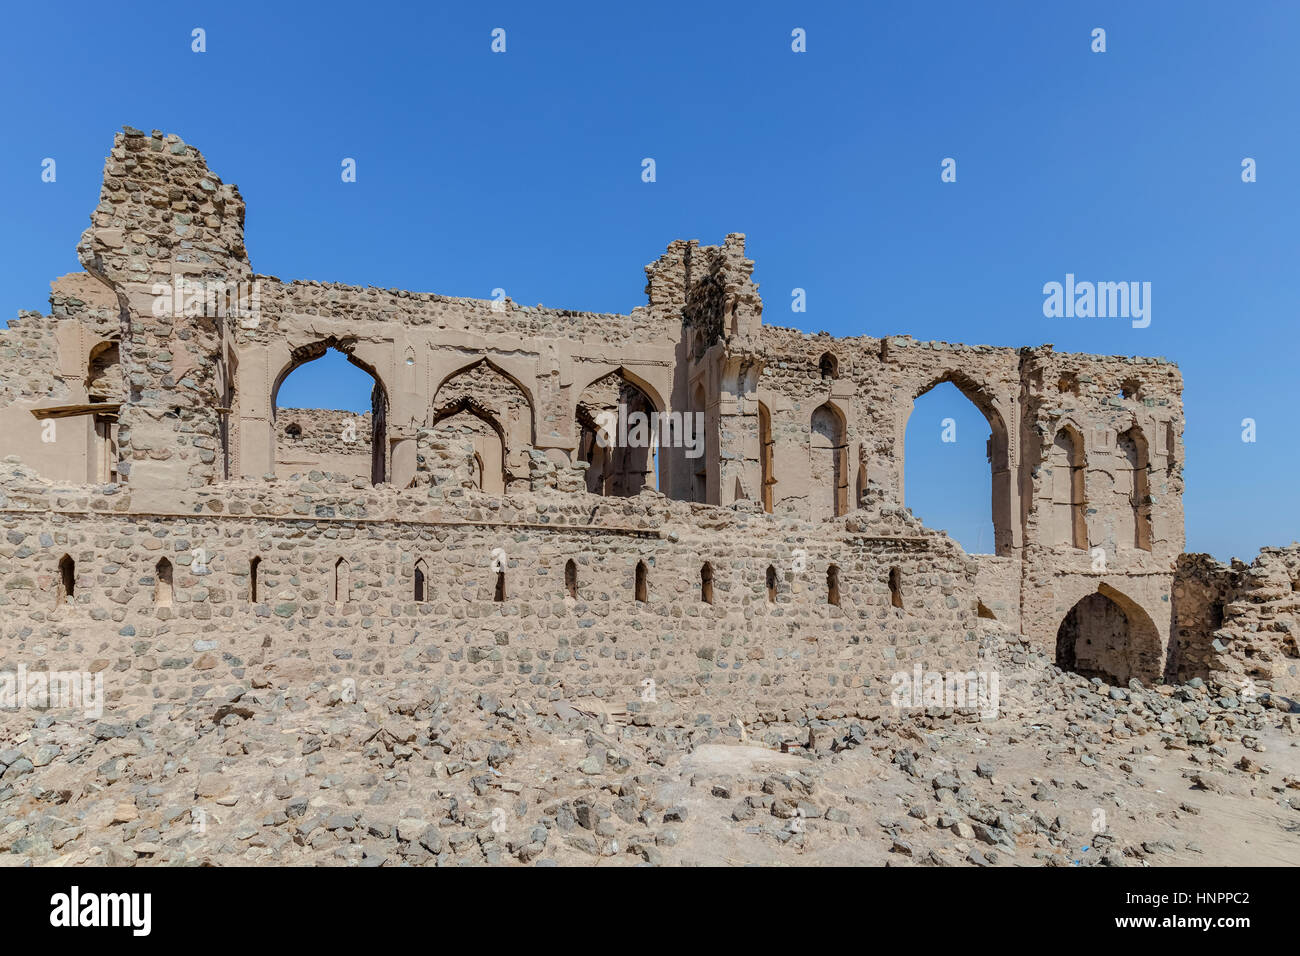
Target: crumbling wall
x,y
161,214
1240,621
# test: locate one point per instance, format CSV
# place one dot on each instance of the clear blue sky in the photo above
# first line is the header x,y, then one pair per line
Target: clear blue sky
x,y
522,170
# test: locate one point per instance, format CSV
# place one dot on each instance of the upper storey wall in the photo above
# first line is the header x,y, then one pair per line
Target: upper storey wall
x,y
285,305
1125,414
809,424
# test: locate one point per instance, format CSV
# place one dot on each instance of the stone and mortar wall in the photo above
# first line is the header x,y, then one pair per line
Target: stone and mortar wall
x,y
739,656
322,442
1240,620
162,213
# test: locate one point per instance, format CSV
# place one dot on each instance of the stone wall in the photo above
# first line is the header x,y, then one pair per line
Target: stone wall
x,y
1240,621
318,439
744,654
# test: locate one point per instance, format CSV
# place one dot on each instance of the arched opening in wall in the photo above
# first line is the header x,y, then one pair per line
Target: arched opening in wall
x,y
642,590
104,384
766,457
895,587
1069,522
829,366
771,584
254,569
956,463
1132,482
67,580
571,579
483,409
833,585
1109,636
828,460
706,583
860,486
342,581
104,381
163,592
477,429
699,467
421,582
617,436
340,407
499,592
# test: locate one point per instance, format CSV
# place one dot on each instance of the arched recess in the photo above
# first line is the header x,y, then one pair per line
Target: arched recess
x,y
997,452
104,381
766,457
1068,523
164,591
378,438
467,420
494,411
226,374
699,468
618,435
860,483
104,384
828,454
1108,635
1132,484
641,378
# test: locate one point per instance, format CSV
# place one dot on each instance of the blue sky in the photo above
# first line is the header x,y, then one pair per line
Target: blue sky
x,y
522,171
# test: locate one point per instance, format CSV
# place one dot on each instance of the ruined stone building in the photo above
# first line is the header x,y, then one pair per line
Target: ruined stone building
x,y
166,520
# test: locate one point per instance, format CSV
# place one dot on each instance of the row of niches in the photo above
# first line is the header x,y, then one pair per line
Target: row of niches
x,y
343,592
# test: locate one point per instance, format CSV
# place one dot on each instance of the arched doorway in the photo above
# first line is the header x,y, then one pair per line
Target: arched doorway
x,y
1109,636
330,416
955,453
618,438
